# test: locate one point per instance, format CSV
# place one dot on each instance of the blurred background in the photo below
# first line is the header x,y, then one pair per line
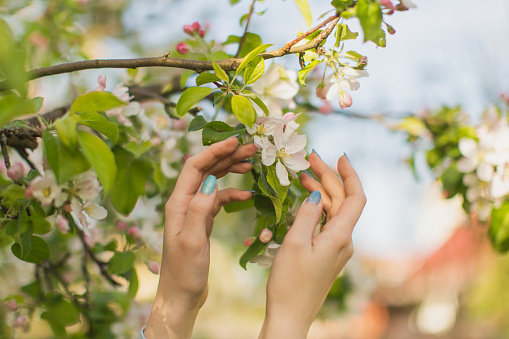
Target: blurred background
x,y
421,268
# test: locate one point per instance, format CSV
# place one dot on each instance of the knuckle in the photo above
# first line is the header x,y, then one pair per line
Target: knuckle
x,y
195,207
349,250
343,241
190,243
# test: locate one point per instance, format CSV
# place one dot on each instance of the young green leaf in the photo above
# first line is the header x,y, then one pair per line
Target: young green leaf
x,y
304,9
370,17
344,33
39,250
305,71
252,251
210,135
100,156
67,129
100,124
221,74
250,56
96,102
121,262
206,78
191,97
197,123
243,110
13,106
254,70
260,104
499,228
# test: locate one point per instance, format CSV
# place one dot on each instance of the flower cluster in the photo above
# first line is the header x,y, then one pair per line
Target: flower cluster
x,y
280,144
486,164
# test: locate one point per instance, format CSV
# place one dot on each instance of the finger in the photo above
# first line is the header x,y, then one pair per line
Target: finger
x,y
239,167
308,216
240,153
351,209
310,184
327,177
200,209
229,195
191,175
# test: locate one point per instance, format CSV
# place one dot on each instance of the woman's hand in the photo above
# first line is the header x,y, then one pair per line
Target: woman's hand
x,y
189,217
306,266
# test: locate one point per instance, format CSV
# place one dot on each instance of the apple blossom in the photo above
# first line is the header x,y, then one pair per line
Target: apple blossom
x,y
154,267
345,79
321,91
267,257
134,232
287,151
131,109
87,186
265,127
16,171
121,226
12,305
345,100
90,209
47,191
182,48
188,29
265,235
62,224
201,33
196,26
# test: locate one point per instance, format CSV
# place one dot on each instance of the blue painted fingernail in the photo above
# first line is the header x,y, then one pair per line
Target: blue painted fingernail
x,y
314,197
314,151
209,185
248,161
304,171
346,156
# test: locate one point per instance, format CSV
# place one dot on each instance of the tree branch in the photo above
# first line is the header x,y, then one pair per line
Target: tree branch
x,y
248,20
196,65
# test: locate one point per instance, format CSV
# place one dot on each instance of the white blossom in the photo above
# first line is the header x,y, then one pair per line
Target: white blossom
x,y
267,257
47,191
264,127
85,211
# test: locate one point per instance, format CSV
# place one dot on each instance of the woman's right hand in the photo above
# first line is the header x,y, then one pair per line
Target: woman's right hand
x,y
306,266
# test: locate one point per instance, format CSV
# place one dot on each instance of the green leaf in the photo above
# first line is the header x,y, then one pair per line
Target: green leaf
x,y
121,262
96,102
134,283
281,191
210,135
220,126
13,192
250,56
303,73
129,183
278,207
264,205
205,78
243,110
370,17
100,124
100,156
304,9
138,149
39,250
61,312
499,229
238,206
191,97
251,41
343,33
33,289
64,162
252,251
12,106
67,129
197,123
260,104
254,70
221,74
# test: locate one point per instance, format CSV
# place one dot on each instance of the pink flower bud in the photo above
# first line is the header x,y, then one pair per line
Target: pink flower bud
x,y
326,108
321,91
28,193
196,25
202,33
12,305
188,29
249,241
179,124
102,82
265,236
16,171
67,208
345,100
390,29
364,60
134,232
62,223
154,267
504,98
182,48
184,159
121,226
387,3
288,115
20,321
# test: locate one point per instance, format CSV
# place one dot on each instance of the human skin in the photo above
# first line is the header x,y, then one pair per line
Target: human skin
x,y
306,265
189,215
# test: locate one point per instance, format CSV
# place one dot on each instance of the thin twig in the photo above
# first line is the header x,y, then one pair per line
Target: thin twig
x,y
5,153
248,20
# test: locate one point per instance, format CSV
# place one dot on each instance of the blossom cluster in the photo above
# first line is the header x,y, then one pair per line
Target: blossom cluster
x,y
485,160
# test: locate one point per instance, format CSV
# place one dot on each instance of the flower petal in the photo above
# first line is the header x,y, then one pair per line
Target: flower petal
x,y
268,153
468,147
485,172
282,174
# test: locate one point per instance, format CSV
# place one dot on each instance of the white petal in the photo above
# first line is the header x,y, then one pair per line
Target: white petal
x,y
269,155
350,84
284,90
466,165
98,212
291,126
333,90
473,194
297,162
355,73
485,172
278,137
499,186
296,143
282,174
468,147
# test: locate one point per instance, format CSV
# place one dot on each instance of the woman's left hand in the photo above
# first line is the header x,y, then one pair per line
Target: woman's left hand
x,y
189,217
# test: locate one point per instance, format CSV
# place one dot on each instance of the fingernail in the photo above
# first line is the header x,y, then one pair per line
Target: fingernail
x,y
209,185
235,135
307,173
248,161
314,151
253,192
344,153
314,197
